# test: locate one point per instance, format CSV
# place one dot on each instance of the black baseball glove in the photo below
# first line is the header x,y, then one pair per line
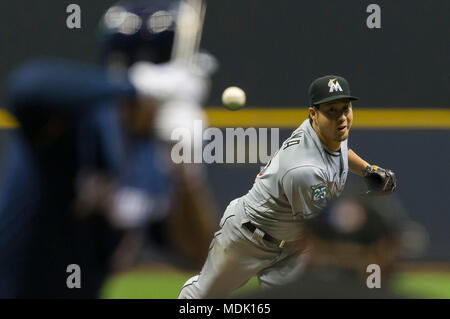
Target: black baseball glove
x,y
379,181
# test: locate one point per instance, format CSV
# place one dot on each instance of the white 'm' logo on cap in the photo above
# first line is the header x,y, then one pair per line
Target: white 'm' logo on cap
x,y
334,85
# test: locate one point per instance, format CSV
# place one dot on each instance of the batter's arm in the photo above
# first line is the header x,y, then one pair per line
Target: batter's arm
x,y
356,164
193,219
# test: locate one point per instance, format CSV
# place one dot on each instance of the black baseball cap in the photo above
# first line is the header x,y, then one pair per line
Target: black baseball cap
x,y
329,88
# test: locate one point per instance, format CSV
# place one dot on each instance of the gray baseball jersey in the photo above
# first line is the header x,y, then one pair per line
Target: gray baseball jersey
x,y
296,183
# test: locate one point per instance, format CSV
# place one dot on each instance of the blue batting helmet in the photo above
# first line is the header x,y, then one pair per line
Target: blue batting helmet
x,y
139,30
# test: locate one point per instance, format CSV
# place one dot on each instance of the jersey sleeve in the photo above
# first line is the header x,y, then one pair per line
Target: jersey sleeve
x,y
306,189
51,95
54,84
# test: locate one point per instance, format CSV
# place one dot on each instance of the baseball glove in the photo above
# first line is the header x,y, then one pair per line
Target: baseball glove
x,y
379,181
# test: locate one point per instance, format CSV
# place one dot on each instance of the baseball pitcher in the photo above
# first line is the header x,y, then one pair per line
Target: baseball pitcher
x,y
261,232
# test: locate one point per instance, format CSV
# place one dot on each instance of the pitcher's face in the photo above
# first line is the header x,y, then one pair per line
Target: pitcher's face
x,y
333,120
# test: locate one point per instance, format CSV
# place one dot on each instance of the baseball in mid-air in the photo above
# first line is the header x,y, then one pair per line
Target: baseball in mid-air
x,y
233,98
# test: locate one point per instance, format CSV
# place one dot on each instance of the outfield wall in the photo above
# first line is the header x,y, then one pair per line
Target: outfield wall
x,y
273,49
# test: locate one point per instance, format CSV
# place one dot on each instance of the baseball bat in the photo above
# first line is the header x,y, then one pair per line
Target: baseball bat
x,y
188,30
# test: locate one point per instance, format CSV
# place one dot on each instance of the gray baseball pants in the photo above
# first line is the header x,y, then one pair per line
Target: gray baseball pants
x,y
235,256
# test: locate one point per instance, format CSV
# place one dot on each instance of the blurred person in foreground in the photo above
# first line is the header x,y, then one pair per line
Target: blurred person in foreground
x,y
89,179
345,244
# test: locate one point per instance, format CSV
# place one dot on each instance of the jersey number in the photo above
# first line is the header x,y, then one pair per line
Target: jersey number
x,y
293,140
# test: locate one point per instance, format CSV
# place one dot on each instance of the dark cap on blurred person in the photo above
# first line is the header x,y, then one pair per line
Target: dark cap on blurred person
x,y
329,88
357,220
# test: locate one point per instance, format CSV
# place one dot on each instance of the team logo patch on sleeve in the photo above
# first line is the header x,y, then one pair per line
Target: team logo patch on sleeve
x,y
319,193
